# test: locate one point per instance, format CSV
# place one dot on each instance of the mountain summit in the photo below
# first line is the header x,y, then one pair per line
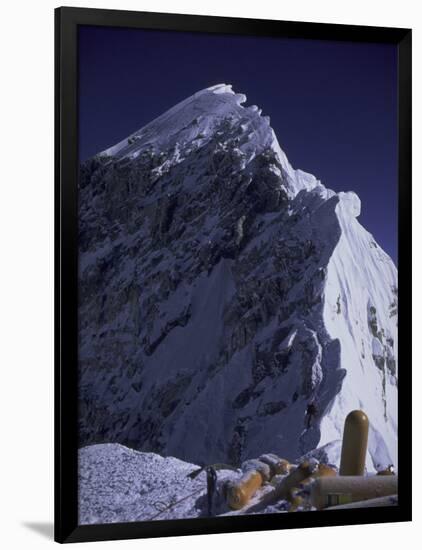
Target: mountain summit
x,y
229,305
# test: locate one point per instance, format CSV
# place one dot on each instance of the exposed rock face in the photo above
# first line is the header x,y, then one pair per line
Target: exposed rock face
x,y
222,292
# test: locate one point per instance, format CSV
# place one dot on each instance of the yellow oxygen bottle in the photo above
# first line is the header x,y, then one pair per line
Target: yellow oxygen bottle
x,y
355,443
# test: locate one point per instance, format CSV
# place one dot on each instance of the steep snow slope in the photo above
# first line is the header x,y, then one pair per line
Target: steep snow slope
x,y
366,297
223,292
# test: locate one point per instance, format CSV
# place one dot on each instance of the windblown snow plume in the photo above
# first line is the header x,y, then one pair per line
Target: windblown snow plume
x,y
222,293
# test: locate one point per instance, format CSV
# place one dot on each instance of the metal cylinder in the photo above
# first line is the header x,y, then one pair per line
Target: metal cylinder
x,y
295,502
389,471
240,492
334,491
355,443
279,466
390,500
284,489
283,467
321,470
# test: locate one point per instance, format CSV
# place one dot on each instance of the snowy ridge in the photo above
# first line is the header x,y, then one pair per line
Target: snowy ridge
x,y
195,119
222,292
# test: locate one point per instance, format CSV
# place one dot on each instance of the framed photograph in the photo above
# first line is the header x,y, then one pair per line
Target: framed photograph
x,y
233,275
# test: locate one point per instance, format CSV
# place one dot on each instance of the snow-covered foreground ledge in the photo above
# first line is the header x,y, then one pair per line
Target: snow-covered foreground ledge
x,y
118,484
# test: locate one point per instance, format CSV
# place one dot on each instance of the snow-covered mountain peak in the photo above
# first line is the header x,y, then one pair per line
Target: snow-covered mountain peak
x,y
212,113
194,118
222,292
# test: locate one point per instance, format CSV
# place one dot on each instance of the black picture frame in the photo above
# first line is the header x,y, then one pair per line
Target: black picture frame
x,y
67,20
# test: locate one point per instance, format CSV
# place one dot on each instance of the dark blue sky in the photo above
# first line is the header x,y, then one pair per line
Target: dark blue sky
x,y
332,104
